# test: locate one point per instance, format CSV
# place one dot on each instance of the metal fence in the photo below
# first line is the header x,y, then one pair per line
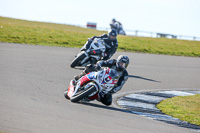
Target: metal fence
x,y
141,33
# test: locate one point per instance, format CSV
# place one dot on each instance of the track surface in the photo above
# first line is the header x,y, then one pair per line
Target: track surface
x,y
33,79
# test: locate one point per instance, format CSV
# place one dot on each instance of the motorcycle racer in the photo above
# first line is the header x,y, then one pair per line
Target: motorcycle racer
x,y
117,26
113,25
110,39
120,64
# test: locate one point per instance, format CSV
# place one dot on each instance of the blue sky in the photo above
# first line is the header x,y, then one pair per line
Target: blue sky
x,y
180,17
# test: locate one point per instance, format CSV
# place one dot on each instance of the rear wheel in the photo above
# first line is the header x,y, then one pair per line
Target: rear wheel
x,y
83,94
76,61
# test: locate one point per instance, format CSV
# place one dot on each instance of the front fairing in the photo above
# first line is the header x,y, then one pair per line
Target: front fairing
x,y
71,89
97,47
108,78
81,84
94,50
103,80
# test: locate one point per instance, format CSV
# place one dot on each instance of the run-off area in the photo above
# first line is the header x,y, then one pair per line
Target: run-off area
x,y
144,104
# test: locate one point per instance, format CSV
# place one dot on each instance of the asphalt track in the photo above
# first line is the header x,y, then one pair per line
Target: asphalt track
x,y
33,79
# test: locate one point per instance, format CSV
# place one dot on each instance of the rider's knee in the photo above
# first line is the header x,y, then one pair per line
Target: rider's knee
x,y
89,68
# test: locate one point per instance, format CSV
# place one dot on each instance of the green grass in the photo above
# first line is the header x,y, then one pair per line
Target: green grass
x,y
49,34
37,33
2,132
186,108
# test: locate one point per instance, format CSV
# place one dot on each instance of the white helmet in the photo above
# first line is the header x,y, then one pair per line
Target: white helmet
x,y
122,62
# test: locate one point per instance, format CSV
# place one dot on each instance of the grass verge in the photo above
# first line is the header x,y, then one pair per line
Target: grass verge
x,y
50,34
186,108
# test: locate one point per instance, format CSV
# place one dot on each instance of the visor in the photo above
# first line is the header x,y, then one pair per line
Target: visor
x,y
122,64
112,37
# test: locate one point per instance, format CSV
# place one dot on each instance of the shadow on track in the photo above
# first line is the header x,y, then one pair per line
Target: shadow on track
x,y
139,77
180,124
105,107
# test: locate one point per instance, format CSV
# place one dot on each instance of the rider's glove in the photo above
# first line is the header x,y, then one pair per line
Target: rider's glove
x,y
89,39
93,37
98,67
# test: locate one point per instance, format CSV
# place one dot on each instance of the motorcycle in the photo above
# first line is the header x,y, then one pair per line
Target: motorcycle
x,y
89,86
90,53
118,27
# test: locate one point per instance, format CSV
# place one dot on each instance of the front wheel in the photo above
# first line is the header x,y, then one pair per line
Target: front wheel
x,y
76,61
83,94
65,94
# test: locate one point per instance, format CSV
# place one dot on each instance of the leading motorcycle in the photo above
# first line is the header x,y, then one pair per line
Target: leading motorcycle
x,y
118,27
89,86
90,53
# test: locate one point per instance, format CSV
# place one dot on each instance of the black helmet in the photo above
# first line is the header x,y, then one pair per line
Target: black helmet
x,y
113,20
122,62
112,34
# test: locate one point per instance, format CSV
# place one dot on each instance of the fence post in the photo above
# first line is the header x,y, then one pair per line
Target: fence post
x,y
136,32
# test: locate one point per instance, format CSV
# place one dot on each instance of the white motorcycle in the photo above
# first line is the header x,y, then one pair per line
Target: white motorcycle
x,y
118,27
90,53
88,87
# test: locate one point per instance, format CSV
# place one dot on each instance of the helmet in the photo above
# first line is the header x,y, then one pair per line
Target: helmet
x,y
122,62
112,34
113,20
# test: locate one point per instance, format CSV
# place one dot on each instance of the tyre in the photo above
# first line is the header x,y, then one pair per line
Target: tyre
x,y
83,94
65,94
76,61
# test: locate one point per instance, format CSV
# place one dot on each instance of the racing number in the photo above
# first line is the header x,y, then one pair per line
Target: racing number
x,y
107,79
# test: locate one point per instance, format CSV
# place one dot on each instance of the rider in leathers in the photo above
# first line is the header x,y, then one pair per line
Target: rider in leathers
x,y
120,65
111,43
113,24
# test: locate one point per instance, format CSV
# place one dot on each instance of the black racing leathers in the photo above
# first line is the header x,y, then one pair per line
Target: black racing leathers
x,y
111,46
